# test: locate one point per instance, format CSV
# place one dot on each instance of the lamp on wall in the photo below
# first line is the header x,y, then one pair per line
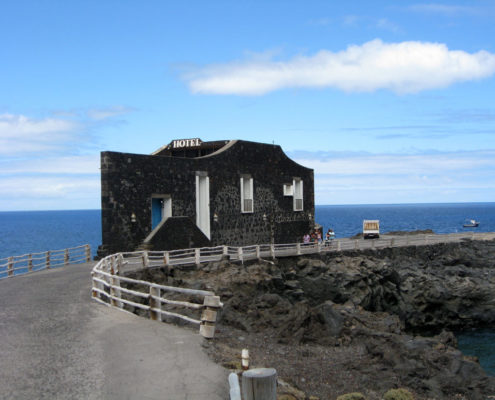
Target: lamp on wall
x,y
264,217
215,217
133,217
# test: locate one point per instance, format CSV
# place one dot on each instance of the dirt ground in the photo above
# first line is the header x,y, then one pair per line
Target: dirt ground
x,y
324,372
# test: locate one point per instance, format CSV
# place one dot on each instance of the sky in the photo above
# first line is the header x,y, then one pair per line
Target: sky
x,y
388,101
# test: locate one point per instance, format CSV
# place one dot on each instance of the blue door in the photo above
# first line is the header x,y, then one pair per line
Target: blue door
x,y
156,212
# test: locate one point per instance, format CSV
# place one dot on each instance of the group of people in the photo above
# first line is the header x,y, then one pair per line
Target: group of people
x,y
315,236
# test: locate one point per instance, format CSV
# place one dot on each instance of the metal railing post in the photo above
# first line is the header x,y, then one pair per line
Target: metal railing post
x,y
47,259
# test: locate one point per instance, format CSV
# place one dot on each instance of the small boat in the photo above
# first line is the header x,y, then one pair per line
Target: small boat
x,y
471,223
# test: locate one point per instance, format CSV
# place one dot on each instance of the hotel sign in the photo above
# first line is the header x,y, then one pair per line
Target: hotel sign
x,y
185,143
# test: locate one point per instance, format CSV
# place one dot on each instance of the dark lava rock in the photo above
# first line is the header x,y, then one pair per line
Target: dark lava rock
x,y
368,304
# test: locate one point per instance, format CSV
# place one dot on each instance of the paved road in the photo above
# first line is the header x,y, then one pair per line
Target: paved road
x,y
57,343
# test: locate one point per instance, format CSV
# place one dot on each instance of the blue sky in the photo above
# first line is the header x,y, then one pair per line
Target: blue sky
x,y
388,101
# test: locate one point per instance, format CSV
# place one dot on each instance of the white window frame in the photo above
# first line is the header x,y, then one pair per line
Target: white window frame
x,y
247,194
288,189
298,194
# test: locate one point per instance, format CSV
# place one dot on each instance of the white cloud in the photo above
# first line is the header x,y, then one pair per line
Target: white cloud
x,y
20,126
396,164
384,23
109,112
56,187
406,67
19,134
442,9
76,165
395,178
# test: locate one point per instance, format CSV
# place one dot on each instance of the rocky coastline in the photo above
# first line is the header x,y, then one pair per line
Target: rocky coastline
x,y
355,321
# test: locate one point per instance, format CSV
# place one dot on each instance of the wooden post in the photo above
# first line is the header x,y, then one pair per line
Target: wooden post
x,y
259,384
225,250
66,257
197,256
373,244
209,316
272,250
239,254
47,260
120,263
154,303
30,262
166,258
94,292
245,359
145,259
10,266
258,253
298,249
356,244
338,245
87,249
115,292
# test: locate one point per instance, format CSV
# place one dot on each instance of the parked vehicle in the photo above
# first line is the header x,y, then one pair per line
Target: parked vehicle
x,y
371,228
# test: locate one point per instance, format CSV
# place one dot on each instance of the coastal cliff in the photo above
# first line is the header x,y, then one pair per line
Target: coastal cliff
x,y
364,321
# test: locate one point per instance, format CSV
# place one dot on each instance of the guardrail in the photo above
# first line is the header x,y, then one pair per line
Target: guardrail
x,y
19,265
112,288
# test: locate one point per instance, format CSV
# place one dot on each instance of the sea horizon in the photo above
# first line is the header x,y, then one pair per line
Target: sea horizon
x,y
316,205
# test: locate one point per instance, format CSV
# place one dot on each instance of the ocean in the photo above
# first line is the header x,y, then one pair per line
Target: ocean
x,y
38,231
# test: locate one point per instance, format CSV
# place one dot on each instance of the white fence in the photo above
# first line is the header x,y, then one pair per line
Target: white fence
x,y
111,288
108,279
17,265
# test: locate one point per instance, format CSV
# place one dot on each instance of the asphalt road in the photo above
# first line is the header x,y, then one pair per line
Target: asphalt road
x,y
57,343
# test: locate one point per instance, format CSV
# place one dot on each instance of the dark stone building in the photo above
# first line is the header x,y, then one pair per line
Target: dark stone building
x,y
195,194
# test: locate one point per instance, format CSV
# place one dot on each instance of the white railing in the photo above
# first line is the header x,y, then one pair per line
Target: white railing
x,y
108,279
18,265
112,288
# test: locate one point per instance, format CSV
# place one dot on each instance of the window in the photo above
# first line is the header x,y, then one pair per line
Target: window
x,y
298,194
246,194
288,191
